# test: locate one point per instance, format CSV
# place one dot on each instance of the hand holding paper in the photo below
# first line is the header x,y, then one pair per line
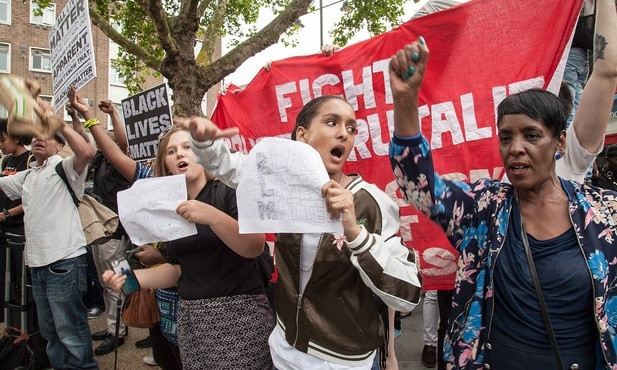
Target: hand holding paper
x,y
148,210
26,116
196,212
281,190
340,204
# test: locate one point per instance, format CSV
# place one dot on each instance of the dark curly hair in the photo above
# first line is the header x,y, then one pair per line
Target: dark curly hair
x,y
21,140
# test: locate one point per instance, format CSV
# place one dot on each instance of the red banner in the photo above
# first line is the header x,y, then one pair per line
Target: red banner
x,y
481,51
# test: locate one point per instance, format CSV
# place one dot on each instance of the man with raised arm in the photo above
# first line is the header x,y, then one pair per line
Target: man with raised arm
x,y
56,245
107,183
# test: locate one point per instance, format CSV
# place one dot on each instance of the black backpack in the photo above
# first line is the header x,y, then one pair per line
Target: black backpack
x,y
264,264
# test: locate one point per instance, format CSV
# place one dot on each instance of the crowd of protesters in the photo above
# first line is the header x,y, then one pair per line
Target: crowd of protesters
x,y
528,294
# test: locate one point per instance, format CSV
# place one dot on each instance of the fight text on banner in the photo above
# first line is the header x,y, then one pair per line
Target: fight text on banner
x,y
481,52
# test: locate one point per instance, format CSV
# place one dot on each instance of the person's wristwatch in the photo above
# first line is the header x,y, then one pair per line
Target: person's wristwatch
x,y
7,215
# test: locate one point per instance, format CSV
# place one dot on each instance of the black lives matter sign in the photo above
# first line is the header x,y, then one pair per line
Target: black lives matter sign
x,y
146,115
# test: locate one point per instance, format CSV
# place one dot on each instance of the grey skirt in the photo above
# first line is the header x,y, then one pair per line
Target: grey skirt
x,y
225,333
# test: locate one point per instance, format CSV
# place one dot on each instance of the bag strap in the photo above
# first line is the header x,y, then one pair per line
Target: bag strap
x,y
536,283
30,157
62,174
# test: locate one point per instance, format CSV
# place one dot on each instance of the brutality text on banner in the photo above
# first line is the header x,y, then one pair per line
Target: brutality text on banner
x,y
481,52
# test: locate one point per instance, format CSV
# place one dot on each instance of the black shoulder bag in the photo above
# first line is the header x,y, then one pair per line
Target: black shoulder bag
x,y
536,283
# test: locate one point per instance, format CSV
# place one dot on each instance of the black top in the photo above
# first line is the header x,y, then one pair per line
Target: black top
x,y
605,178
210,268
107,182
583,35
566,285
10,166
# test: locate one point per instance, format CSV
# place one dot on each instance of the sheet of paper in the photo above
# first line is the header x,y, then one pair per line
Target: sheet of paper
x,y
147,210
280,190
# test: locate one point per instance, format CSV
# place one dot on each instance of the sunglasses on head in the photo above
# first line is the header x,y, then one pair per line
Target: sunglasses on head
x,y
165,132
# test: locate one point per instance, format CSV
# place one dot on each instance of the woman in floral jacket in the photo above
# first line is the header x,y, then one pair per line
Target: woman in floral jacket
x,y
496,320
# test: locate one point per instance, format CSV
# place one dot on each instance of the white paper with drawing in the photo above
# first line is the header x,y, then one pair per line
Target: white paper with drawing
x,y
280,190
147,210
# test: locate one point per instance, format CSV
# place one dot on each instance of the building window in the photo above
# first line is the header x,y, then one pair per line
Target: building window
x,y
118,108
5,58
5,11
40,60
49,99
114,76
69,119
48,18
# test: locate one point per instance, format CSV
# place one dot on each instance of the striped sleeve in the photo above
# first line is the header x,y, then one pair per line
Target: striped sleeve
x,y
386,265
143,172
218,160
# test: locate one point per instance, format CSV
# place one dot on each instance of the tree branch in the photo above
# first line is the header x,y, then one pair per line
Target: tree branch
x,y
210,34
131,47
203,5
266,37
188,7
154,8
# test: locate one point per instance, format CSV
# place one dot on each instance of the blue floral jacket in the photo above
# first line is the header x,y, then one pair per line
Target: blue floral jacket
x,y
475,219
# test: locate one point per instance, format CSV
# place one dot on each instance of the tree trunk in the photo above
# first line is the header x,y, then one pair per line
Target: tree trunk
x,y
177,33
187,97
183,79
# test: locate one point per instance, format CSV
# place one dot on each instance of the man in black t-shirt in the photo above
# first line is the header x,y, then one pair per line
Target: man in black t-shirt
x,y
16,158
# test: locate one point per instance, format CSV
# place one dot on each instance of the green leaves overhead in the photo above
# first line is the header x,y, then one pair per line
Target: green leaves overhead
x,y
161,36
375,16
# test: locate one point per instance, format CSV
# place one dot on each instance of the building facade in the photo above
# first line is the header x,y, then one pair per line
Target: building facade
x,y
24,52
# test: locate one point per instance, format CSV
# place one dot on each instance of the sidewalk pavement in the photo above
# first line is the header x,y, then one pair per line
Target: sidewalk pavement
x,y
129,356
408,346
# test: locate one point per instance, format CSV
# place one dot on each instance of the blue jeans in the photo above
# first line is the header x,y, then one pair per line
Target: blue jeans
x,y
94,290
575,76
58,290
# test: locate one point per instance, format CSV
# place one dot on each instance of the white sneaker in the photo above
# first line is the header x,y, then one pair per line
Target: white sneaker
x,y
95,312
149,360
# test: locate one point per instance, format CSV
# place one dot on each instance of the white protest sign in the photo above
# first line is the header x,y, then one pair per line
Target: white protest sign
x,y
280,190
147,210
72,51
146,115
